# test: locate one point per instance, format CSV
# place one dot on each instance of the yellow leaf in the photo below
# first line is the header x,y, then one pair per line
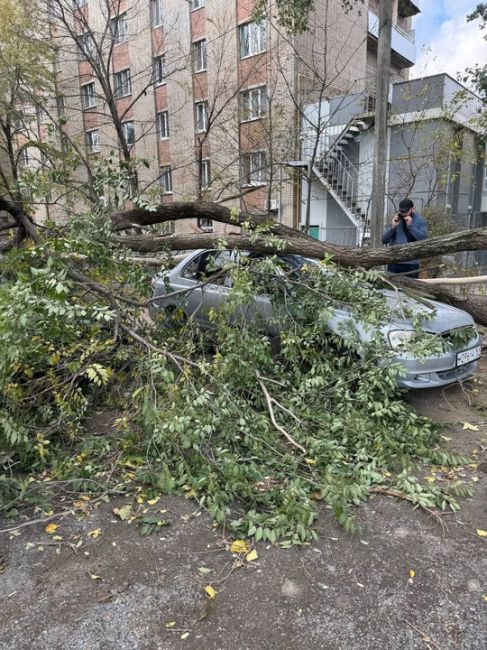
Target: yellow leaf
x,y
485,598
95,533
170,624
251,556
140,500
210,591
85,497
412,573
239,546
430,479
152,502
94,577
310,461
481,533
470,427
51,528
57,538
184,636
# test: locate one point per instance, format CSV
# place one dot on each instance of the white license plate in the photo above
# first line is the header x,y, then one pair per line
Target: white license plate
x,y
469,355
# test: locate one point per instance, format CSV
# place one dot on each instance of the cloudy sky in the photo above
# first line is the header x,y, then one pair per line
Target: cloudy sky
x,y
444,39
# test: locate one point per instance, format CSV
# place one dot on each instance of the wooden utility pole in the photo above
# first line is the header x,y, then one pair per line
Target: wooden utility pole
x,y
380,129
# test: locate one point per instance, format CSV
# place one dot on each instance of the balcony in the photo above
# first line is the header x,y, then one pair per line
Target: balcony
x,y
403,43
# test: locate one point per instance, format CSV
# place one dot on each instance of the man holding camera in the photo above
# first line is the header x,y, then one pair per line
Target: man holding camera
x,y
407,226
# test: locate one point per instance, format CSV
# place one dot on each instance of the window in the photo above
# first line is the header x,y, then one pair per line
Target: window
x,y
128,132
165,180
85,45
196,4
200,55
252,39
93,141
156,11
88,95
24,157
254,168
201,117
159,69
122,83
61,110
163,125
205,175
205,224
41,115
253,103
119,27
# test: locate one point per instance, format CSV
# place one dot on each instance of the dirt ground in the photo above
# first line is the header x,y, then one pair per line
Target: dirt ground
x,y
405,582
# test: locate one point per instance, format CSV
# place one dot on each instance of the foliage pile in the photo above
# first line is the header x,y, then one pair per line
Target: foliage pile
x,y
259,436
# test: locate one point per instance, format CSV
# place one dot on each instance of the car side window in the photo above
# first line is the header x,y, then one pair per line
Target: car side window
x,y
208,266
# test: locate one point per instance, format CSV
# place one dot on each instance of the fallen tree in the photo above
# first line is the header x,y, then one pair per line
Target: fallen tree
x,y
258,233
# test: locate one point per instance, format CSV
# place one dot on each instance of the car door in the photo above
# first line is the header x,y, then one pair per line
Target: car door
x,y
209,274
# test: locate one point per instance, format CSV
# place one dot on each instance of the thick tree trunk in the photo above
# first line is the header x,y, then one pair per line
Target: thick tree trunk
x,y
292,240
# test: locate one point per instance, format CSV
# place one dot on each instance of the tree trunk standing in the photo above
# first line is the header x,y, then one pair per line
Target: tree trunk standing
x,y
380,129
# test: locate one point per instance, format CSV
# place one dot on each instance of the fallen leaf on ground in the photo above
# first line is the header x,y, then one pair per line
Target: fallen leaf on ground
x,y
93,576
124,512
210,591
95,533
412,573
481,533
251,556
51,528
152,502
239,546
184,636
170,624
204,570
57,538
470,427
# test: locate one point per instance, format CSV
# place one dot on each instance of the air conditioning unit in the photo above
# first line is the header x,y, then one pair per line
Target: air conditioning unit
x,y
272,205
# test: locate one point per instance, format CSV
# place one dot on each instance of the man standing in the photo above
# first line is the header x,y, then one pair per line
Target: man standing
x,y
407,226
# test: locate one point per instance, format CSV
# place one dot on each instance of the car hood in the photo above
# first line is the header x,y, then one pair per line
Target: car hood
x,y
446,317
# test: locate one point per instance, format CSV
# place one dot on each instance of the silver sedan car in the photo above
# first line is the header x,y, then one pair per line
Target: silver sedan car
x,y
201,282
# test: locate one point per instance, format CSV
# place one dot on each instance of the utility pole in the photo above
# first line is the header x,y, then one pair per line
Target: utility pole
x,y
380,129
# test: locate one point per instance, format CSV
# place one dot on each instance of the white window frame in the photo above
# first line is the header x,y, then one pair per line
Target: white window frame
x,y
253,38
88,99
253,168
157,13
24,159
201,117
200,55
127,128
93,141
159,69
119,27
197,4
85,45
163,125
165,179
253,103
122,83
205,174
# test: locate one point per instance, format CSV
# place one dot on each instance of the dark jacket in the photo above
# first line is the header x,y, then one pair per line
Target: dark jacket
x,y
404,235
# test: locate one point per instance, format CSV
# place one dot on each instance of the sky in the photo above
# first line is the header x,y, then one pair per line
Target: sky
x,y
445,41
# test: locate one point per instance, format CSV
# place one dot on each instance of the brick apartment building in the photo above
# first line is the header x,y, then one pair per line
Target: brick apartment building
x,y
211,100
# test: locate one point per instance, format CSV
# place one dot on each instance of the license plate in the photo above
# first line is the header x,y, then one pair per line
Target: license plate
x,y
469,355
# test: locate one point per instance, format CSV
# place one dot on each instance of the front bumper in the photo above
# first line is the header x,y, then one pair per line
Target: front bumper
x,y
438,371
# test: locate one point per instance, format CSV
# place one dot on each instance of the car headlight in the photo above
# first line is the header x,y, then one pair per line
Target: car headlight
x,y
399,338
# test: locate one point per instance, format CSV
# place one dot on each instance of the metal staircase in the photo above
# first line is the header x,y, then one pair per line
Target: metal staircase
x,y
340,175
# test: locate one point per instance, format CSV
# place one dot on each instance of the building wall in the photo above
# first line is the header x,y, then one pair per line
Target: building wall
x,y
329,60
